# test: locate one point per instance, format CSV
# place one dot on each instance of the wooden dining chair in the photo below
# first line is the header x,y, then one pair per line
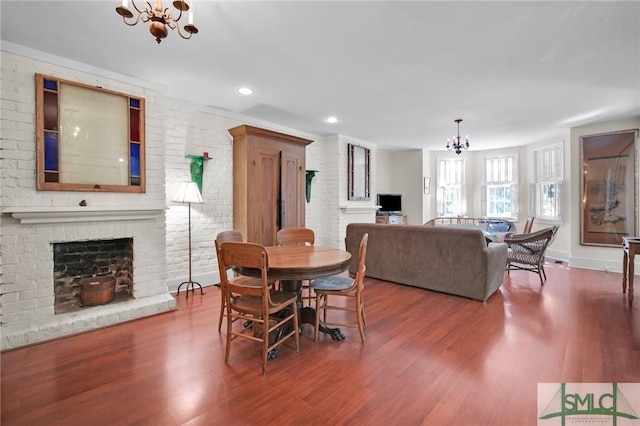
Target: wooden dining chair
x,y
224,237
341,285
292,236
254,300
298,236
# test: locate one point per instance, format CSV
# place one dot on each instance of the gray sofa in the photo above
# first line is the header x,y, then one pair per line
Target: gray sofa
x,y
449,260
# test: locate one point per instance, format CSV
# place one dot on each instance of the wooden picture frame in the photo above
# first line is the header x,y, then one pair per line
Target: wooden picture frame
x,y
609,187
88,138
359,171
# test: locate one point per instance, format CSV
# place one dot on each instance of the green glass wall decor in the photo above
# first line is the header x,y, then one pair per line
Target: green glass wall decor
x,y
197,166
310,176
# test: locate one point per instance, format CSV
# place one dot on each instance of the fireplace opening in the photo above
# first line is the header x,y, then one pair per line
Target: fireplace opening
x,y
77,264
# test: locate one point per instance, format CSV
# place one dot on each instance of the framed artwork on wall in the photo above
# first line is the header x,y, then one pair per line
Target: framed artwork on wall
x,y
88,138
609,187
359,171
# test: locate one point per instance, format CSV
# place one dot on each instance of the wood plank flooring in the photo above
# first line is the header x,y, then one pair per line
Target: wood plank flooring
x,y
430,359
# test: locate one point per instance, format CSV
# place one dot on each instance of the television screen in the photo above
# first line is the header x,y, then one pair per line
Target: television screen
x,y
390,203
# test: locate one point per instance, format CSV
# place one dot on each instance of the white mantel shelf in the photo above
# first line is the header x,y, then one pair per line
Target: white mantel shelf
x,y
359,209
28,215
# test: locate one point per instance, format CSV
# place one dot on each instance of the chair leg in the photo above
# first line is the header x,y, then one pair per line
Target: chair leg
x,y
228,348
265,344
359,317
364,317
296,325
317,324
541,272
222,309
324,312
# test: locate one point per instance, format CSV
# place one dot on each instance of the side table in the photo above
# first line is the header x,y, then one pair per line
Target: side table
x,y
631,246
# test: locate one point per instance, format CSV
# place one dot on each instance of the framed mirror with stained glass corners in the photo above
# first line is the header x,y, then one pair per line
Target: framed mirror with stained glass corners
x,y
88,138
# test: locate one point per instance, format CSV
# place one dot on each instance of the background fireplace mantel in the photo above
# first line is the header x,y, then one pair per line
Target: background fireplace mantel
x,y
28,215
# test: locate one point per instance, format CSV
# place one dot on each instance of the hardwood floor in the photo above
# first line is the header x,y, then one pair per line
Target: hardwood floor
x,y
430,359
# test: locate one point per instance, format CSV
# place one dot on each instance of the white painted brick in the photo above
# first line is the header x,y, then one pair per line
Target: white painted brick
x,y
27,299
8,286
21,117
173,130
8,297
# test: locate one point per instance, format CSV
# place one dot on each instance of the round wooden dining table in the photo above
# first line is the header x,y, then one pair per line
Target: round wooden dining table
x,y
306,262
292,264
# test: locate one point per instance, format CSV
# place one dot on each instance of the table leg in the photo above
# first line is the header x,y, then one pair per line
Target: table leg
x,y
293,286
625,265
631,273
307,314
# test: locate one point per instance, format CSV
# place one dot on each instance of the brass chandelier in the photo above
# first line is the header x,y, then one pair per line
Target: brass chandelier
x,y
161,18
457,144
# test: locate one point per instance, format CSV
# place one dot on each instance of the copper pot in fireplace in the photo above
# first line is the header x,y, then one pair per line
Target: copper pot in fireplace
x,y
97,290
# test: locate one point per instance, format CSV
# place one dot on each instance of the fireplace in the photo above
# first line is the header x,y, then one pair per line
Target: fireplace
x,y
41,246
76,263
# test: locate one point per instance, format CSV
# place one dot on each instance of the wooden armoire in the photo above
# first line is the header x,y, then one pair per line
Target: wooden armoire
x,y
268,182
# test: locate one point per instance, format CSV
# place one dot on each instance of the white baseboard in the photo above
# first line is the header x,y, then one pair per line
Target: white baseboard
x,y
585,263
598,264
556,255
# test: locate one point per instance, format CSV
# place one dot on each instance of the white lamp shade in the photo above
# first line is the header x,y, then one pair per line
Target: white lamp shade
x,y
188,193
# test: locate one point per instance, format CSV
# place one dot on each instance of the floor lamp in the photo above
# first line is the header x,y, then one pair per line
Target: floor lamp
x,y
190,194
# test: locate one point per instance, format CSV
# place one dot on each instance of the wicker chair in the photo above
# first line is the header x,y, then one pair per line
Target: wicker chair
x,y
526,251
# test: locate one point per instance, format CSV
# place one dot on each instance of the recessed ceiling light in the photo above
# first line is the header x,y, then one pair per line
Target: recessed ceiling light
x,y
245,91
331,120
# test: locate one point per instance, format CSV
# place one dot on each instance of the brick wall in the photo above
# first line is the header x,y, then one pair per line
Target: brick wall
x,y
26,277
190,131
173,129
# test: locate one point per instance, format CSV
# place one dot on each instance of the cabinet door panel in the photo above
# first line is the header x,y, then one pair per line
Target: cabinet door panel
x,y
265,216
292,190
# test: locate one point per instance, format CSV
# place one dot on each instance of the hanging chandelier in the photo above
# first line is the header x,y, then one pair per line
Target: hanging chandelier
x,y
161,18
457,144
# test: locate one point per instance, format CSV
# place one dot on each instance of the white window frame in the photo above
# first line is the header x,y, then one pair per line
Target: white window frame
x,y
500,171
548,168
451,182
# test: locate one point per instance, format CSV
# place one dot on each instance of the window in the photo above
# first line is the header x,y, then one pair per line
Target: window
x,y
548,182
500,189
451,197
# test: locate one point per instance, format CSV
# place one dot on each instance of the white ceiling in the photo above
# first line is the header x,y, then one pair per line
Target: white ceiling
x,y
395,73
